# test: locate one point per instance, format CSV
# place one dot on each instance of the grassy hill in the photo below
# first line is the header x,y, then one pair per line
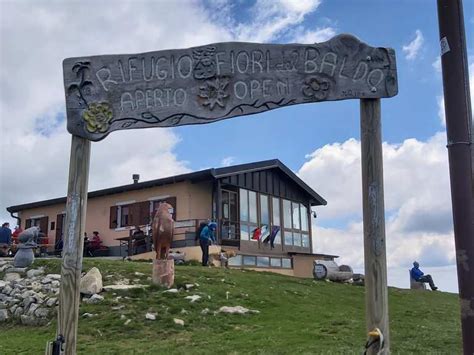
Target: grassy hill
x,y
297,316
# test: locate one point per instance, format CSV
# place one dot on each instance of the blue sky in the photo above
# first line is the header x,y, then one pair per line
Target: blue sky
x,y
320,142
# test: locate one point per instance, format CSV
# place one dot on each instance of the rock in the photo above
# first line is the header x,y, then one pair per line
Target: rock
x,y
42,312
51,302
3,315
150,316
117,308
32,309
127,322
139,273
31,320
34,272
193,298
178,321
12,276
28,301
46,280
122,287
55,283
13,309
189,286
183,311
5,267
205,311
54,276
91,283
94,299
7,289
171,290
36,286
236,310
3,284
18,312
24,257
88,315
3,305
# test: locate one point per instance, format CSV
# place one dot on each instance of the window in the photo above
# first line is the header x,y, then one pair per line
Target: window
x,y
244,232
263,261
275,262
277,239
276,211
252,207
296,239
264,210
124,216
305,240
235,261
295,207
287,214
53,226
288,238
286,263
244,206
304,218
248,260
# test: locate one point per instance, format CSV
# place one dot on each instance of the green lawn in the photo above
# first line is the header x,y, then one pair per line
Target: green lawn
x,y
297,316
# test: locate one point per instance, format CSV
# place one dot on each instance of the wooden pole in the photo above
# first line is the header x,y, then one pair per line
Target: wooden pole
x,y
73,243
376,297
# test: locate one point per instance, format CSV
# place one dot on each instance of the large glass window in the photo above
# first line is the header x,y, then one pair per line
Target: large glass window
x,y
287,214
244,206
124,219
296,239
305,240
235,261
277,239
249,260
263,261
275,262
304,218
286,263
244,232
295,207
264,210
288,238
276,211
252,207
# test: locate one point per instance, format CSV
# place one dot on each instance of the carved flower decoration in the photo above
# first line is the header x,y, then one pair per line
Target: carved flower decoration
x,y
97,117
316,87
214,93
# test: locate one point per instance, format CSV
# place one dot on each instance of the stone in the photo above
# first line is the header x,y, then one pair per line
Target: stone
x,y
3,305
54,276
117,308
5,267
171,290
24,257
178,321
51,301
163,273
3,315
13,309
7,289
32,309
18,312
34,272
12,276
236,310
20,270
94,299
91,283
127,322
150,316
3,284
55,283
88,315
28,301
29,320
205,311
42,312
193,298
46,280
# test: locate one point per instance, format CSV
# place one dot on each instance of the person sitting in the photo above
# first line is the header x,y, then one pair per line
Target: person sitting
x,y
5,239
419,276
139,241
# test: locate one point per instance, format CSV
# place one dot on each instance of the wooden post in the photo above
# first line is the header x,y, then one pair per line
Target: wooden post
x,y
73,243
376,297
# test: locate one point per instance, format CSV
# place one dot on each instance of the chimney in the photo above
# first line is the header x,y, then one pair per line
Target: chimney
x,y
135,178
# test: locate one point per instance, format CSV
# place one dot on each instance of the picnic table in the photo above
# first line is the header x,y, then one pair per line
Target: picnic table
x,y
132,241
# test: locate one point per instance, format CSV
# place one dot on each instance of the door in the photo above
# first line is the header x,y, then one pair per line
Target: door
x,y
229,230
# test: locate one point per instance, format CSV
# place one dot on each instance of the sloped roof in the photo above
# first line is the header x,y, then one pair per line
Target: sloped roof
x,y
213,173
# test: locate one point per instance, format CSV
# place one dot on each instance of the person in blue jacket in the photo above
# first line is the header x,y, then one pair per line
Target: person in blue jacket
x,y
419,276
206,238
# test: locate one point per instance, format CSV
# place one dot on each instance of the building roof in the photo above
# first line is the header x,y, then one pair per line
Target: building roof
x,y
213,173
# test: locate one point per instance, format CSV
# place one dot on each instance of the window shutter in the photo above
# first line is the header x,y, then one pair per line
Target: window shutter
x,y
134,214
144,213
27,223
113,217
59,227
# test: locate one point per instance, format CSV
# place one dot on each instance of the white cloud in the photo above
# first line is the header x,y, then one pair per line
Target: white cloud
x,y
417,201
321,34
437,64
413,48
227,161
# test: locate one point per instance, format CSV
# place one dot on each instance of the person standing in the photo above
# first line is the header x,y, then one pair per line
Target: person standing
x,y
206,238
5,239
419,276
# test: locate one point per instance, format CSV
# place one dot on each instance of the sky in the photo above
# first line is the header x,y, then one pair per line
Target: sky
x,y
320,142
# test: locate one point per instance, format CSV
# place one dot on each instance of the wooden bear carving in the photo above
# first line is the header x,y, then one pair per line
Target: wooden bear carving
x,y
163,229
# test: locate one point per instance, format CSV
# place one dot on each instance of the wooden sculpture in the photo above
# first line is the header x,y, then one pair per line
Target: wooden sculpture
x,y
163,228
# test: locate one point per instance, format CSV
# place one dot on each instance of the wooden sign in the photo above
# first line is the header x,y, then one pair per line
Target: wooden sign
x,y
217,81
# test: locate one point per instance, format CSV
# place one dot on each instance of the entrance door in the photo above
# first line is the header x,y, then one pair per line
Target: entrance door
x,y
229,229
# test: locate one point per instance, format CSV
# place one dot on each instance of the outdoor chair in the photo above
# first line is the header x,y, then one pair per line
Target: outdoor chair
x,y
415,285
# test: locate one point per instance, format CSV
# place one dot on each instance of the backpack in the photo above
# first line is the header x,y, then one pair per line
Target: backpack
x,y
200,228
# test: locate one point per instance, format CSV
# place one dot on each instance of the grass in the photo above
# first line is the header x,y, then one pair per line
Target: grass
x,y
297,316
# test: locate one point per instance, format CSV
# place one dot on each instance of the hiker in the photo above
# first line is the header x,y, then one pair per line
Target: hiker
x,y
206,238
419,276
5,239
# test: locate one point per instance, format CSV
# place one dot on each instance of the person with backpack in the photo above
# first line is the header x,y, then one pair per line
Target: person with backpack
x,y
206,238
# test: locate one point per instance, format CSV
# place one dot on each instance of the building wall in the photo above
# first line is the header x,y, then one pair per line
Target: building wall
x,y
303,264
193,202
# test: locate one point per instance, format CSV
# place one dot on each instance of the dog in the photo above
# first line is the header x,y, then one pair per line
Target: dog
x,y
222,258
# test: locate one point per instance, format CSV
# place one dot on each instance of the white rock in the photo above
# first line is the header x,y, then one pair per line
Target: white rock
x,y
3,315
18,312
32,309
51,302
236,310
94,299
171,290
42,312
122,316
88,315
127,322
91,283
189,286
12,276
139,273
7,290
205,311
3,284
46,280
117,308
193,298
34,272
55,283
178,321
54,276
150,316
183,311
